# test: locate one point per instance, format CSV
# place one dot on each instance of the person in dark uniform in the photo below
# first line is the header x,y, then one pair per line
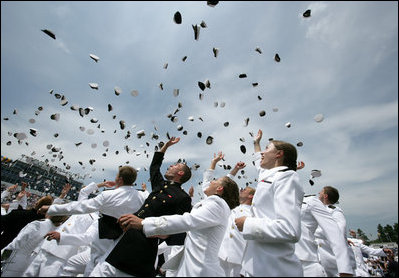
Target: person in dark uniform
x,y
135,254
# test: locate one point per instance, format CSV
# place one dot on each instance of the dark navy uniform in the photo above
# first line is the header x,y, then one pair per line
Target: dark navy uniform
x,y
135,254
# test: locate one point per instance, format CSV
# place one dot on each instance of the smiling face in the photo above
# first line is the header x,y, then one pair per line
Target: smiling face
x,y
270,157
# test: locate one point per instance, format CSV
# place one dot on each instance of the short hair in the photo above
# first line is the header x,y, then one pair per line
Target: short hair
x,y
290,153
187,173
251,190
230,192
332,193
58,219
128,174
43,201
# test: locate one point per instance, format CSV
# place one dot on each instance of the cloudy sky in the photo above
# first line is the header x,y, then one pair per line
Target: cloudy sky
x,y
342,63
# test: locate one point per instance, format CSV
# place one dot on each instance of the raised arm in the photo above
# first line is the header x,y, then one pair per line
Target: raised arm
x,y
239,165
257,139
156,177
215,160
208,174
171,142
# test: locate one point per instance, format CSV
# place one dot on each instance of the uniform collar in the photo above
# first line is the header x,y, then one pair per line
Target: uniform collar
x,y
174,183
269,172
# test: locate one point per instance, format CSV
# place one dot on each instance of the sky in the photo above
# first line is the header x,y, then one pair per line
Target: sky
x,y
340,63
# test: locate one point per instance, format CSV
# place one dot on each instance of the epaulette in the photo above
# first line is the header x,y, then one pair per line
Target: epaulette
x,y
331,206
309,195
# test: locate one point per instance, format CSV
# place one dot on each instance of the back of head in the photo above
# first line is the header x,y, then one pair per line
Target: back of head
x,y
43,201
58,219
128,174
290,153
187,173
230,192
332,193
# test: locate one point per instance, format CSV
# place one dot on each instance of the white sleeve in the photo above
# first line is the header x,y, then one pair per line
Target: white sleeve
x,y
207,215
207,178
144,194
371,251
26,234
78,207
87,190
80,239
334,236
339,217
286,226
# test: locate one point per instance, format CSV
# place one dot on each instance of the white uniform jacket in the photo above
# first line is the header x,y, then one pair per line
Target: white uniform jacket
x,y
205,226
359,248
313,214
23,245
233,245
326,254
116,202
276,226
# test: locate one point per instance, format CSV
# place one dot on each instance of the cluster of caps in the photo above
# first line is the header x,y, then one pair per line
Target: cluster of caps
x,y
177,18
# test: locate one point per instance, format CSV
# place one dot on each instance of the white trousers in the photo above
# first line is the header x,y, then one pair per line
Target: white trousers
x,y
44,265
75,264
104,269
313,269
16,264
230,269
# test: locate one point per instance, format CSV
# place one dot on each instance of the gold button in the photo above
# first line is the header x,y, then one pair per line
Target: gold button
x,y
154,197
165,186
146,205
163,201
69,224
63,230
232,226
231,235
161,191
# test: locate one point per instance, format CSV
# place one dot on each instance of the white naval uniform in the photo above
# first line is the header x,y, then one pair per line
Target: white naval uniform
x,y
233,245
276,226
359,248
23,245
205,225
77,263
122,200
51,256
326,254
313,214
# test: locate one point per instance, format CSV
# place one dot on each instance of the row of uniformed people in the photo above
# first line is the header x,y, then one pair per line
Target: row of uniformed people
x,y
277,231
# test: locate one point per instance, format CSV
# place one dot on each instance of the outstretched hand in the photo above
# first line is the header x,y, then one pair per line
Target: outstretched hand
x,y
66,188
172,141
130,221
191,191
240,165
300,165
218,157
258,136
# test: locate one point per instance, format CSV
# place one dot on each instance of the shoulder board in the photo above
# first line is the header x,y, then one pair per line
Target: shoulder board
x,y
283,170
331,206
309,195
266,181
